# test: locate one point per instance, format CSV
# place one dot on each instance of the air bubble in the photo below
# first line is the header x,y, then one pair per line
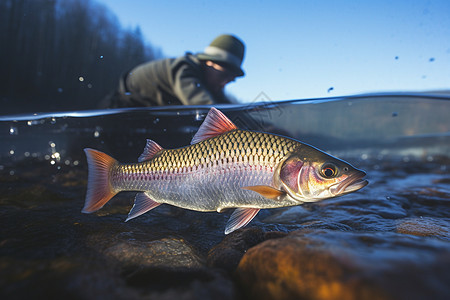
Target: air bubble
x,y
13,130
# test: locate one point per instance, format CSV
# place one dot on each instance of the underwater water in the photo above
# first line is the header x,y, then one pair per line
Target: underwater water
x,y
392,237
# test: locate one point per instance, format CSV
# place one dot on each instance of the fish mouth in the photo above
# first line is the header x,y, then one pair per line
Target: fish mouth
x,y
352,183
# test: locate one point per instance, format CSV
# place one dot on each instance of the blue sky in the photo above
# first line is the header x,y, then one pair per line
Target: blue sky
x,y
300,49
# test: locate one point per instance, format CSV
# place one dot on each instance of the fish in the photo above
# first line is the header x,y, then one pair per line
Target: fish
x,y
223,168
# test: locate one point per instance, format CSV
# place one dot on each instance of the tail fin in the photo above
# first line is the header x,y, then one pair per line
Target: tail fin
x,y
99,189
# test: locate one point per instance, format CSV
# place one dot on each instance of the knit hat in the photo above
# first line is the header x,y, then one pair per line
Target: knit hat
x,y
226,49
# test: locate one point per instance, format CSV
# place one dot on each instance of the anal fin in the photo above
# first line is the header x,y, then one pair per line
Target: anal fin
x,y
239,218
142,204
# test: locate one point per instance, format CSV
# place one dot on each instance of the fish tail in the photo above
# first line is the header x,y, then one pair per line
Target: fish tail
x,y
99,189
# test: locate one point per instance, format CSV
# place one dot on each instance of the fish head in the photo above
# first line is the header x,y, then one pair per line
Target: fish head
x,y
315,175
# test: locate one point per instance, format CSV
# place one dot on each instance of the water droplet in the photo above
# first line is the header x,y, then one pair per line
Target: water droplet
x,y
81,78
394,114
89,86
60,90
101,56
388,198
53,121
11,152
431,59
156,121
52,144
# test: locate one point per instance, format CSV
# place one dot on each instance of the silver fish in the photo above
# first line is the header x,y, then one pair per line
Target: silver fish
x,y
224,167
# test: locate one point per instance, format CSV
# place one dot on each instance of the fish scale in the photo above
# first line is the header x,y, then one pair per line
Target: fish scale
x,y
233,147
219,161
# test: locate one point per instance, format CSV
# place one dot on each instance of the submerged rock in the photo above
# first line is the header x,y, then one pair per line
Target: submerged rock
x,y
425,226
325,264
227,254
168,253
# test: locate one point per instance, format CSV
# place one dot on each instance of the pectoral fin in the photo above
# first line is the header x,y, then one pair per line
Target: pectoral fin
x,y
239,218
265,191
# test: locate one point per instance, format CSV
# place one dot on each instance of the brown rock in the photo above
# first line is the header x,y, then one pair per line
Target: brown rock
x,y
321,264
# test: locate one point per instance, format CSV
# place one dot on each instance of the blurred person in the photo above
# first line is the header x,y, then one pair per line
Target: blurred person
x,y
192,79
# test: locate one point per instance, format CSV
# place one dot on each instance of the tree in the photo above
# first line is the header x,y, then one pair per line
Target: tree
x,y
63,54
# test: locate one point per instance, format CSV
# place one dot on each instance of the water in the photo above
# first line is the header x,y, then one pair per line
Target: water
x,y
402,141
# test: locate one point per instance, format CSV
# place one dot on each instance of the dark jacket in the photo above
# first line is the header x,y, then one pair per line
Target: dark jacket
x,y
168,81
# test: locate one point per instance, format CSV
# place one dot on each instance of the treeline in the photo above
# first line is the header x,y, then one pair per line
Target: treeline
x,y
63,54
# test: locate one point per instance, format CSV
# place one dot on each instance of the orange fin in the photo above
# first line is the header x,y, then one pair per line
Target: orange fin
x,y
239,218
99,190
150,150
216,123
265,191
142,204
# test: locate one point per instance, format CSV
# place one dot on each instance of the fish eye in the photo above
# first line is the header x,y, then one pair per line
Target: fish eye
x,y
329,170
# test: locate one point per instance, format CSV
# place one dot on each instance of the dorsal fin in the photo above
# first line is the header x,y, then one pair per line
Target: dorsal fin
x,y
216,123
150,150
